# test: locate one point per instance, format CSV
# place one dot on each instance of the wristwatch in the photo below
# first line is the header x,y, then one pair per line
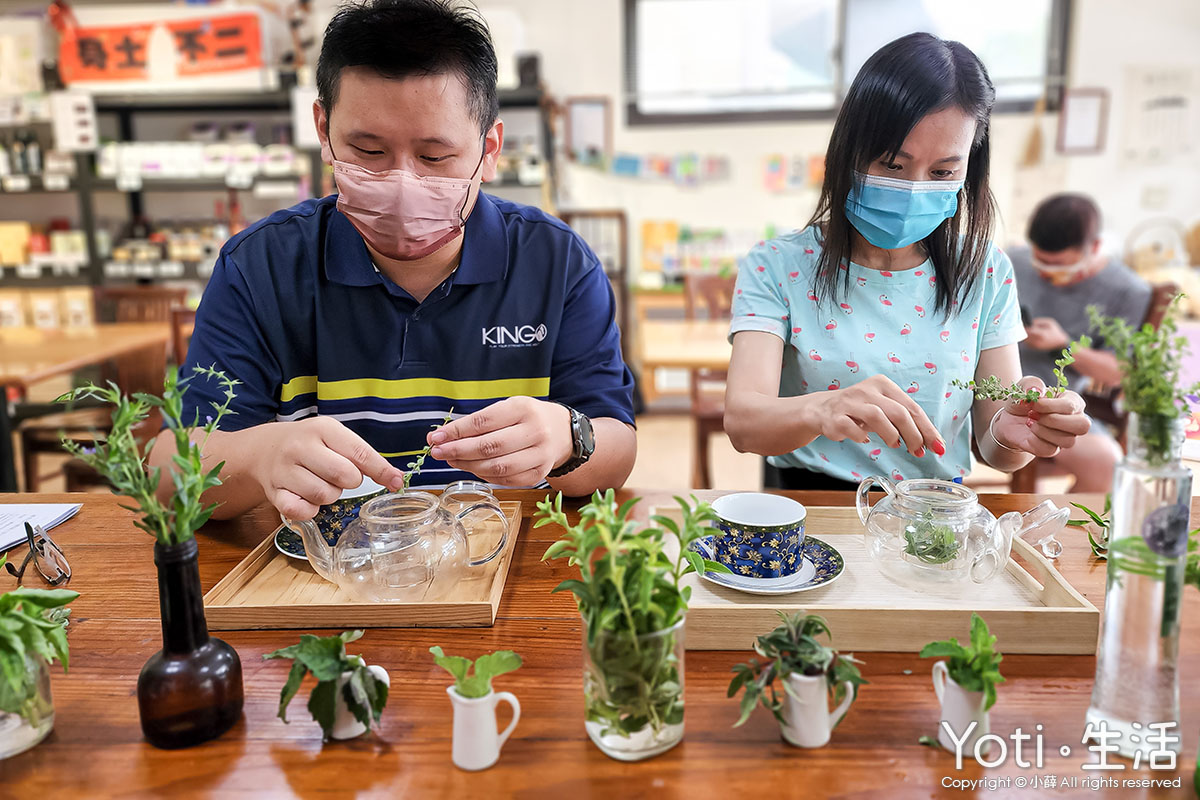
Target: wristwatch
x,y
583,443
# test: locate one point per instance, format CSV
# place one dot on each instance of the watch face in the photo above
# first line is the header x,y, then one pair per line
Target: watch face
x,y
587,437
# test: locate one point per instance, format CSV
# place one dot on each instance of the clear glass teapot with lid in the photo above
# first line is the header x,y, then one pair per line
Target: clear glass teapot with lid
x,y
931,531
402,547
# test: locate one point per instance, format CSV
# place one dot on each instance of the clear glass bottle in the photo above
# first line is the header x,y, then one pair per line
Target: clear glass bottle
x,y
633,691
1137,675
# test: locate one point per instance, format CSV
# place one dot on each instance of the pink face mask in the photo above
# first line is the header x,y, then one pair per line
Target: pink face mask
x,y
400,214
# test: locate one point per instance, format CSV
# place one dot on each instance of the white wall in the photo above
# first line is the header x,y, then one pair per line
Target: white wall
x,y
581,53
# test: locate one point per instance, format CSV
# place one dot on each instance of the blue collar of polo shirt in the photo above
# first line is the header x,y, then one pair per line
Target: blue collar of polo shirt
x,y
484,255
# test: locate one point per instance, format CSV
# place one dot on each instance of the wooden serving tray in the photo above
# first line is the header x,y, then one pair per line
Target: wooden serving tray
x,y
269,590
1029,607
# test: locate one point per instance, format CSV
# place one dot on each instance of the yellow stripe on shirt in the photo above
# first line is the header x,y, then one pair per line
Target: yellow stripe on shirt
x,y
414,387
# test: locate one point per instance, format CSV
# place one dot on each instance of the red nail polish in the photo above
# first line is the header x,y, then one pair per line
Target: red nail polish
x,y
939,448
1035,416
921,453
1028,423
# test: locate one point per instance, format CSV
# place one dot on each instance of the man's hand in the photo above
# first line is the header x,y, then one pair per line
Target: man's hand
x,y
515,442
1046,334
306,464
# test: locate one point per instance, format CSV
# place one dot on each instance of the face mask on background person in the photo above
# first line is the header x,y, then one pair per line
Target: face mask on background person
x,y
400,214
892,213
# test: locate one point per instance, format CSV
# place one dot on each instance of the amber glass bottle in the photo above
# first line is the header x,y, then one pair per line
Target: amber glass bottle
x,y
191,690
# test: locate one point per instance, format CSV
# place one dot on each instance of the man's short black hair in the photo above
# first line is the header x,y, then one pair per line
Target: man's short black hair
x,y
1064,222
399,38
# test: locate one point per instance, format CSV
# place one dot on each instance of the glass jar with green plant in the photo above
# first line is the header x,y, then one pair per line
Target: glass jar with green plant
x,y
191,690
32,634
632,600
349,694
1137,679
796,682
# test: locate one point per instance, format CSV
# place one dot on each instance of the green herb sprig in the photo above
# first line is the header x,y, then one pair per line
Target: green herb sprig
x,y
1103,523
975,666
32,624
120,459
629,587
930,542
488,666
792,648
992,388
325,657
1150,360
414,467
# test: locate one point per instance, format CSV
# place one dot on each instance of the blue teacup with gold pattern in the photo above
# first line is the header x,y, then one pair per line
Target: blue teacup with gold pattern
x,y
759,535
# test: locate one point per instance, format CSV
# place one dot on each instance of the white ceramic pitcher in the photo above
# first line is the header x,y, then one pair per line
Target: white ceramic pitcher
x,y
809,722
959,709
476,743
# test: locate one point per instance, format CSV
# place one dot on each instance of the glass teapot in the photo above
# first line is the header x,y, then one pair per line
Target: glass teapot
x,y
400,546
931,531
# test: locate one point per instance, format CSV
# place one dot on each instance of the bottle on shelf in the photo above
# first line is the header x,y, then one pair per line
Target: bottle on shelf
x,y
17,154
33,154
5,164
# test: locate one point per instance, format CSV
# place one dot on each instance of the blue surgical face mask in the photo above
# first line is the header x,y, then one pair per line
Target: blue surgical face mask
x,y
892,213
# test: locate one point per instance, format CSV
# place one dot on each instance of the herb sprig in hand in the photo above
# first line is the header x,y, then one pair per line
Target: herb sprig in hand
x,y
991,387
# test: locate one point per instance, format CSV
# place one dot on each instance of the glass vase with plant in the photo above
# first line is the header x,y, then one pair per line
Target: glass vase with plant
x,y
1137,680
191,690
32,635
632,600
798,679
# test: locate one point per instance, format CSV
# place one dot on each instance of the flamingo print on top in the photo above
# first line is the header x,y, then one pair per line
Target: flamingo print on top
x,y
889,324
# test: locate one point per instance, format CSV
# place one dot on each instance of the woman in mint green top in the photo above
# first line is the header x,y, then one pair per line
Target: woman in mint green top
x,y
847,334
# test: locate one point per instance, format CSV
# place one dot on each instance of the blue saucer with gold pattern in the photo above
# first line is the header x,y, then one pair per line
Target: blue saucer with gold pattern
x,y
288,542
822,565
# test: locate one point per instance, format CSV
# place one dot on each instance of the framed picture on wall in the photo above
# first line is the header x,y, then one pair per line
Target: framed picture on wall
x,y
1083,121
589,130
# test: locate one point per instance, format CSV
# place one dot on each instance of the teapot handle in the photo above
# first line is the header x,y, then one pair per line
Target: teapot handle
x,y
860,500
994,557
494,507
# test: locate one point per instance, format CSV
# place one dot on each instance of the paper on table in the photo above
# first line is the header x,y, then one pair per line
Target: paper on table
x,y
13,516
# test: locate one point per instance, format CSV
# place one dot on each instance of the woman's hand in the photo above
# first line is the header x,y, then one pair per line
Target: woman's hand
x,y
876,405
1045,427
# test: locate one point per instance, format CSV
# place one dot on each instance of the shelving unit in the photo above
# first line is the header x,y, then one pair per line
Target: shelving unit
x,y
127,108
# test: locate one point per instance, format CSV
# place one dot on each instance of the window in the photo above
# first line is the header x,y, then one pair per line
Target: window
x,y
742,60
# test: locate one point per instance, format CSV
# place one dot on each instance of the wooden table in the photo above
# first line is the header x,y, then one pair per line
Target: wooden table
x,y
31,355
685,344
97,750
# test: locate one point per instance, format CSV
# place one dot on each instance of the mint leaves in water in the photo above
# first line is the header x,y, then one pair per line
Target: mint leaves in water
x,y
929,542
486,667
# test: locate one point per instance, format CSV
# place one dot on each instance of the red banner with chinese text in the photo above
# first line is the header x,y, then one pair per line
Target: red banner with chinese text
x,y
123,52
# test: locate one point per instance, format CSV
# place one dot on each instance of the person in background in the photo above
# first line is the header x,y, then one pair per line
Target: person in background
x,y
1059,275
848,334
356,322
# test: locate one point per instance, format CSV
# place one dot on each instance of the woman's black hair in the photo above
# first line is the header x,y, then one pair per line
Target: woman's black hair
x,y
899,85
399,38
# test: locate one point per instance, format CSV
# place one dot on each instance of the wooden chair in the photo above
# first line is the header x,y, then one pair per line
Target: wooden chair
x,y
715,293
141,371
1102,402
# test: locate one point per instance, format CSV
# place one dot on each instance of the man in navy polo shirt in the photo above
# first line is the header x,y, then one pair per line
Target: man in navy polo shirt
x,y
355,323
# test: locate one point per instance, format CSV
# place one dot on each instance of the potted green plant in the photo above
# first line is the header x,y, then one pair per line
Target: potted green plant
x,y
191,690
349,694
630,595
476,744
1147,534
965,685
809,673
32,634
